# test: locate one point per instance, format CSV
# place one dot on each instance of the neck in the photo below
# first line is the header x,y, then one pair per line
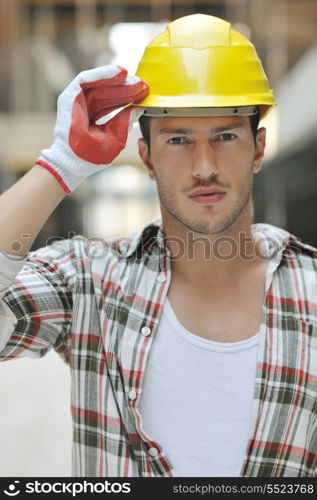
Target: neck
x,y
197,257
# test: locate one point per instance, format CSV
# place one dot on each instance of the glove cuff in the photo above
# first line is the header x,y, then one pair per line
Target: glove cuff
x,y
65,167
43,163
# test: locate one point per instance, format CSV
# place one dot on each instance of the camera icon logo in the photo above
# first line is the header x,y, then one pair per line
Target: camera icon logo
x,y
12,489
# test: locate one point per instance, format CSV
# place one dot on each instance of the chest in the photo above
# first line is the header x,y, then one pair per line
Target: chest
x,y
221,315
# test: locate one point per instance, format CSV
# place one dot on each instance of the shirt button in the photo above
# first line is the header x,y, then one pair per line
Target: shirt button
x,y
153,451
132,395
145,330
161,278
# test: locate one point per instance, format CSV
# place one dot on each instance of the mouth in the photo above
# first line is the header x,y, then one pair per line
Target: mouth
x,y
207,195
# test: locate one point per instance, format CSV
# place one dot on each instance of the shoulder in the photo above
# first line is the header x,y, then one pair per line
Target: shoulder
x,y
294,260
80,252
80,247
288,243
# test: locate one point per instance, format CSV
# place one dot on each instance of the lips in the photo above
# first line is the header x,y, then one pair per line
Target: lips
x,y
207,196
206,192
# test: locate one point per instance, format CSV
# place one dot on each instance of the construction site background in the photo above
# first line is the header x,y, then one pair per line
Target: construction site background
x,y
43,45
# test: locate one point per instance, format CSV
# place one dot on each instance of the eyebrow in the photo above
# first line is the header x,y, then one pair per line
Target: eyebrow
x,y
217,130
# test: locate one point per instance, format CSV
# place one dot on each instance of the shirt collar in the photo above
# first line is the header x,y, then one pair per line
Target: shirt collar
x,y
276,238
152,236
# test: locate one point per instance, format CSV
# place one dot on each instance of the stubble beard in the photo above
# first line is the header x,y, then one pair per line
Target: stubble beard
x,y
220,224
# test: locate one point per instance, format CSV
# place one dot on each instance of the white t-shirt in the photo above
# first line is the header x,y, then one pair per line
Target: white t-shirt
x,y
197,398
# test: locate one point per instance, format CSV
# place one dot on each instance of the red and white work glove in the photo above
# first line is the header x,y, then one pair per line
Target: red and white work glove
x,y
81,147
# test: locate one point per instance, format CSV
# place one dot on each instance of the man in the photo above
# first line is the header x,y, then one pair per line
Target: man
x,y
192,347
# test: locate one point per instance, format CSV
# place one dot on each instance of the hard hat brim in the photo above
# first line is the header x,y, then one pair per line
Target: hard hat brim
x,y
225,111
205,111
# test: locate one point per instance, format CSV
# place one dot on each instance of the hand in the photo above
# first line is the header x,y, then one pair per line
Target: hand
x,y
81,147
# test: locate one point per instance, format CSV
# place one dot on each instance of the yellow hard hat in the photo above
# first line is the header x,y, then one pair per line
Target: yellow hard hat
x,y
199,61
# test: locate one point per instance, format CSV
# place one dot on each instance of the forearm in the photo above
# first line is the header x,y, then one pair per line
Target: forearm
x,y
25,207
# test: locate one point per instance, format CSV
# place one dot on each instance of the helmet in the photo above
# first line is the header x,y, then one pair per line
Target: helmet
x,y
201,66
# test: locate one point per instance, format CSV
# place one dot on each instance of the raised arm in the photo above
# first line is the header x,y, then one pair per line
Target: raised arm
x,y
80,149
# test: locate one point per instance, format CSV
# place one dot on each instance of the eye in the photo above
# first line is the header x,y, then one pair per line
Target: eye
x,y
226,137
176,140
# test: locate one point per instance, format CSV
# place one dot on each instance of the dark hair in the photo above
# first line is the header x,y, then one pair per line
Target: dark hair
x,y
144,122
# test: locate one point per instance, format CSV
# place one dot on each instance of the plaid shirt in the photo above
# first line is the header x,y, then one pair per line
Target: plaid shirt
x,y
99,303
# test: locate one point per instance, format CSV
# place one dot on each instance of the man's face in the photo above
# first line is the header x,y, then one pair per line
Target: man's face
x,y
214,154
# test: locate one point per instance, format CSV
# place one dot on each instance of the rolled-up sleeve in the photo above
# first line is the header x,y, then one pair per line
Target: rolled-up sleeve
x,y
36,298
9,268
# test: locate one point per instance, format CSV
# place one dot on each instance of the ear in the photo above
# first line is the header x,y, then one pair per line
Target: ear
x,y
259,149
146,158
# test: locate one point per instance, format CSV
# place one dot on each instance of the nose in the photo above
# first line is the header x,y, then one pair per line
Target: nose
x,y
204,160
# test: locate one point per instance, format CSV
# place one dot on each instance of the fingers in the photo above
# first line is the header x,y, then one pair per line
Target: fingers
x,y
96,144
101,76
102,100
102,88
117,127
105,76
116,94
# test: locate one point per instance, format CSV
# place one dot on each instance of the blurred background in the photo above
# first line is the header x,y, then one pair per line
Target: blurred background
x,y
43,45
